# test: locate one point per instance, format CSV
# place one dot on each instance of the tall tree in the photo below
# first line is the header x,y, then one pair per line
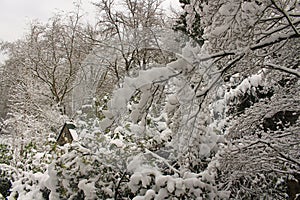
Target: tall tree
x,y
129,35
55,53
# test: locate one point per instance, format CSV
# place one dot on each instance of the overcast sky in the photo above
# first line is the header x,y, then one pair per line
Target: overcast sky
x,y
16,15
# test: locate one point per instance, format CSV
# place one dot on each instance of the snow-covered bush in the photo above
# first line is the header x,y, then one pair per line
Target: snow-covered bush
x,y
80,173
27,171
29,185
154,178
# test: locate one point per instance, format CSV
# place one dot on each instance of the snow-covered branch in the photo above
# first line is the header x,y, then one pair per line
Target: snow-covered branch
x,y
284,69
163,160
221,73
274,40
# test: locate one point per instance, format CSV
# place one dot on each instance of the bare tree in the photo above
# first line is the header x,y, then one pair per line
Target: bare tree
x,y
55,52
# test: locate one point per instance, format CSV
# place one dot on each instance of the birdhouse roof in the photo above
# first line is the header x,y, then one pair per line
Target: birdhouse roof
x,y
74,134
71,127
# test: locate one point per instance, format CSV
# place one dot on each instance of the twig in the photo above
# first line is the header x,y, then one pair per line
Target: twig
x,y
286,16
119,183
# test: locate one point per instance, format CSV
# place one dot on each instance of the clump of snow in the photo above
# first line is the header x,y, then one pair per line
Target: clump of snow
x,y
88,188
170,185
246,85
135,163
119,143
161,181
150,194
162,193
135,180
204,150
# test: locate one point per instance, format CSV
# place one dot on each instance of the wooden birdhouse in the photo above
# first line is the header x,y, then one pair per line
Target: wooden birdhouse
x,y
67,134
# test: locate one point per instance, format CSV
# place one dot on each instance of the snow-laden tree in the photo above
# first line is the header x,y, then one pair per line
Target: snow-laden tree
x,y
163,128
220,121
3,93
128,38
263,156
39,75
241,39
251,31
263,116
194,30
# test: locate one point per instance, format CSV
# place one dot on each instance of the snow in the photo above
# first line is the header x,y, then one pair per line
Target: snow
x,y
118,104
161,181
162,194
166,134
74,134
207,176
105,123
246,85
224,194
88,188
255,80
178,65
218,31
38,156
161,126
29,187
107,114
171,185
119,143
134,181
227,9
150,194
134,164
173,100
204,150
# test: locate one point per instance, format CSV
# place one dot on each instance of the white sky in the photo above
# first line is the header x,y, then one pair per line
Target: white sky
x,y
16,15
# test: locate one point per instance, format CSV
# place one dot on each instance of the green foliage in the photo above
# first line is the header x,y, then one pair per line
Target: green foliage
x,y
5,154
28,150
101,105
79,168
